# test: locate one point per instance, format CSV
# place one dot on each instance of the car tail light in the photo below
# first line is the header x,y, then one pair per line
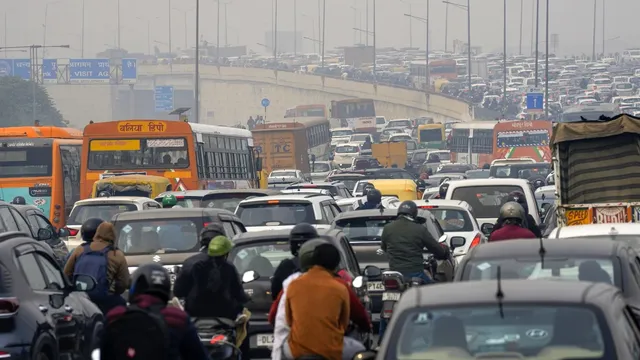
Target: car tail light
x,y
475,241
391,284
4,355
427,207
218,338
8,307
72,232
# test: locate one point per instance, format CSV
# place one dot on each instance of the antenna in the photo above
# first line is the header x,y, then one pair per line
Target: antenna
x,y
499,293
542,252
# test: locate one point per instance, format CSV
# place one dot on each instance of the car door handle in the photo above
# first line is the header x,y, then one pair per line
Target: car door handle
x,y
43,309
68,308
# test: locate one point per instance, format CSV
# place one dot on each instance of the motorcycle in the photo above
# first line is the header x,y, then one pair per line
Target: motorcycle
x,y
219,337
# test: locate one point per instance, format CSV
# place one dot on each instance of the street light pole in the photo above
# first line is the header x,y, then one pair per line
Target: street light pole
x,y
367,22
324,23
603,26
521,18
446,27
537,42
170,48
428,70
218,36
81,46
504,57
595,9
119,44
411,26
374,41
295,28
546,68
469,44
275,33
197,79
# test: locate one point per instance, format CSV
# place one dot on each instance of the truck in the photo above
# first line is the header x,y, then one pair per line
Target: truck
x,y
596,171
390,153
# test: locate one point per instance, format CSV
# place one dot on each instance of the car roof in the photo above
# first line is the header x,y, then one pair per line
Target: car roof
x,y
191,193
574,247
114,199
524,184
515,291
546,188
275,234
286,197
24,208
172,214
453,204
318,183
204,193
604,230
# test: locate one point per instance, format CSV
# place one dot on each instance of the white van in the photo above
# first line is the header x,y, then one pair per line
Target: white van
x,y
344,154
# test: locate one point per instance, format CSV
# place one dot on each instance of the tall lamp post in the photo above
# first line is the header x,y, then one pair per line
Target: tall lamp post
x,y
313,31
184,13
504,56
410,16
197,75
426,51
546,67
467,8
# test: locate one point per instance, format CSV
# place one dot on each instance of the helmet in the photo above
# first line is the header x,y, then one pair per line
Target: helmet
x,y
18,200
299,234
306,252
209,232
517,196
169,201
219,246
374,196
367,187
408,208
89,227
443,190
512,210
151,279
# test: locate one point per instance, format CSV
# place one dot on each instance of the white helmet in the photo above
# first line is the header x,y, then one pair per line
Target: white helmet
x,y
177,207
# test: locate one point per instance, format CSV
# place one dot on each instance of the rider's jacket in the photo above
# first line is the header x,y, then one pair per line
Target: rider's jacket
x,y
277,318
530,223
403,240
369,206
286,268
511,232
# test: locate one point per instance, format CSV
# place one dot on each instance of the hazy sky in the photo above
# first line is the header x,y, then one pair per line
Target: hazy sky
x,y
249,19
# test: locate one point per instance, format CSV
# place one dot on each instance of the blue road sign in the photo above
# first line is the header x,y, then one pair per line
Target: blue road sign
x,y
89,71
265,102
50,71
6,67
129,71
163,98
22,68
535,101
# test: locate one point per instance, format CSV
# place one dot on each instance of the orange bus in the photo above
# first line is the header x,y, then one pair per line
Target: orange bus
x,y
191,156
518,139
42,165
317,110
472,142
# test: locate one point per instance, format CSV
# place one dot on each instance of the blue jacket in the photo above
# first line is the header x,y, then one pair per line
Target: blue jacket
x,y
369,206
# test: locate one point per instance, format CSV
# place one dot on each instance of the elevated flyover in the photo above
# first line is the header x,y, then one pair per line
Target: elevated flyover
x,y
229,95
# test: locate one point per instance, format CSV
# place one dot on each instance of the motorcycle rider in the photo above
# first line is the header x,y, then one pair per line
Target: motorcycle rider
x,y
513,227
169,201
298,236
442,191
87,232
404,241
529,222
374,200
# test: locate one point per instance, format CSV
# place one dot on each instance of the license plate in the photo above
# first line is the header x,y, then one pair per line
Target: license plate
x,y
391,296
264,340
375,286
577,217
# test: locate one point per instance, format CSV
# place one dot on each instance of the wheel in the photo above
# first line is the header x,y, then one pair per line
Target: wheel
x,y
42,356
93,339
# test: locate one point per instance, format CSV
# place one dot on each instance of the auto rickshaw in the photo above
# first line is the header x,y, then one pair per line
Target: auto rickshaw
x,y
403,189
131,185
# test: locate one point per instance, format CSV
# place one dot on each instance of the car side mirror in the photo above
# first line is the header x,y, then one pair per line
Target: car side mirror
x,y
249,276
365,355
63,233
44,234
85,283
358,282
371,271
486,228
457,241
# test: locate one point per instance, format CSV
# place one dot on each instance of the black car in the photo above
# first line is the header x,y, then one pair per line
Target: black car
x,y
262,252
36,220
596,259
42,316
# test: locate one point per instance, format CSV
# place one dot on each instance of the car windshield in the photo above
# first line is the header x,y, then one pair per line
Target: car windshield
x,y
262,258
320,167
138,237
624,86
454,169
391,131
565,268
359,137
276,214
333,190
224,201
521,172
400,123
81,213
366,229
442,156
477,174
485,201
452,220
524,331
346,149
338,133
411,145
283,174
380,121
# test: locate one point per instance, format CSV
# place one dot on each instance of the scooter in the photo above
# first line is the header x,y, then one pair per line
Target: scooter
x,y
219,336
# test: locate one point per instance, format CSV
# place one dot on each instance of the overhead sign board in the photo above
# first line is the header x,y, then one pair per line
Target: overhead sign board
x,y
129,71
22,68
89,71
163,96
50,71
535,102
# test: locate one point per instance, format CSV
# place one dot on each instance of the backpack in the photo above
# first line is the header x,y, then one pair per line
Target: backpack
x,y
94,264
139,333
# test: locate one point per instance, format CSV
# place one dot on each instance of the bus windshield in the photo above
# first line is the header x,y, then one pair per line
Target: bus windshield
x,y
427,135
154,153
351,109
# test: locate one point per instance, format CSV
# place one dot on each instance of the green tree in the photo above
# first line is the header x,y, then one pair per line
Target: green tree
x,y
16,104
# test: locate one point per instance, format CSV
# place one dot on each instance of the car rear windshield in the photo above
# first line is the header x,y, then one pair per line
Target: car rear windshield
x,y
333,190
176,235
224,201
262,257
452,220
320,167
283,174
485,201
265,214
81,213
346,149
565,268
365,229
524,331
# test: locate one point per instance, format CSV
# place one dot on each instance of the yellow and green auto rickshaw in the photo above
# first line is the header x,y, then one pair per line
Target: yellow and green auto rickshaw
x,y
131,185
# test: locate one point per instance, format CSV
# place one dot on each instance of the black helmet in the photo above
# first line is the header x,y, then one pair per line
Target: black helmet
x,y
374,196
443,190
89,227
517,196
408,208
151,279
209,232
299,234
19,200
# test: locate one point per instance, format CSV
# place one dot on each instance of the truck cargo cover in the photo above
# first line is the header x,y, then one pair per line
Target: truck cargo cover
x,y
599,160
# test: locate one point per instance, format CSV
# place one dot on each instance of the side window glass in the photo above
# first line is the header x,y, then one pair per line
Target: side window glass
x,y
70,157
22,223
228,229
9,223
328,213
33,223
629,335
238,227
336,209
32,272
51,272
352,262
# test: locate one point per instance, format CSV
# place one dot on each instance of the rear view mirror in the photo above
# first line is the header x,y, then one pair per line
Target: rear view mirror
x,y
486,228
443,239
249,276
358,282
85,283
365,355
372,271
457,241
259,164
45,234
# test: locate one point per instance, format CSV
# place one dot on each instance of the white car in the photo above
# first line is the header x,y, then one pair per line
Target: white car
x,y
102,208
344,153
285,211
406,124
388,132
285,176
388,202
486,196
622,231
381,122
456,219
400,138
340,135
360,138
321,169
